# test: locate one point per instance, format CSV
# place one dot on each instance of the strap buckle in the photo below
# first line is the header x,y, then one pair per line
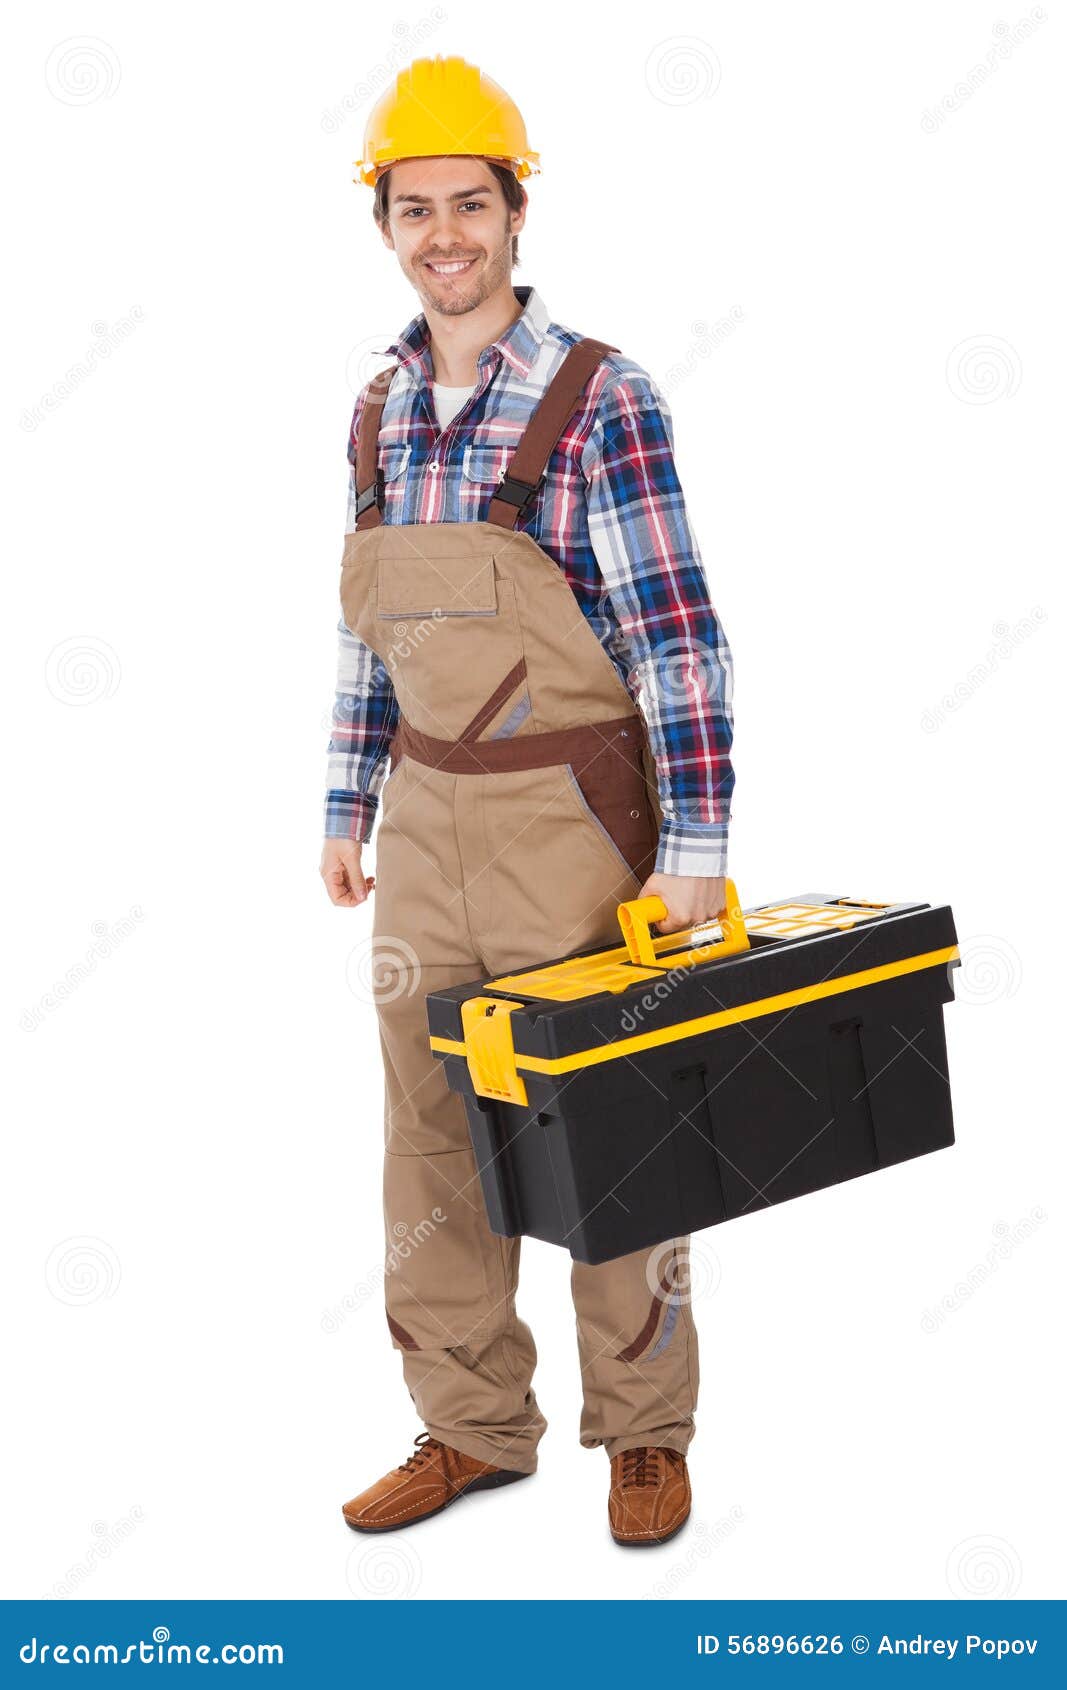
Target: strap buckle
x,y
520,493
372,495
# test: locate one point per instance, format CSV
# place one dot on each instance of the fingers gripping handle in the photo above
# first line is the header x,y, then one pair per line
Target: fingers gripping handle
x,y
643,946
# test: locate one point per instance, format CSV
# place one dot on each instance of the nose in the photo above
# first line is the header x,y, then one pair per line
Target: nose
x,y
448,233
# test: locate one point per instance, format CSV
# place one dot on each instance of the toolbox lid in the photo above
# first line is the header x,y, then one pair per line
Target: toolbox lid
x,y
614,1001
616,970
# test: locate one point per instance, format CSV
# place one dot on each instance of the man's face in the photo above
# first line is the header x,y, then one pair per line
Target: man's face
x,y
451,230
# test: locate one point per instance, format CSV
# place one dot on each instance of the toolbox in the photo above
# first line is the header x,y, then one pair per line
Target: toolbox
x,y
634,1093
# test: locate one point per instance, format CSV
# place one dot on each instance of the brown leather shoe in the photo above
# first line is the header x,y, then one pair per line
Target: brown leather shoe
x,y
431,1479
650,1497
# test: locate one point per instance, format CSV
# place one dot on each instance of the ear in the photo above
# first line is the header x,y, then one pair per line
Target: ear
x,y
387,235
518,218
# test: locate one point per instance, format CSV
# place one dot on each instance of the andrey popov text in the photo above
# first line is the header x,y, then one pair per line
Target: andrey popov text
x,y
820,1643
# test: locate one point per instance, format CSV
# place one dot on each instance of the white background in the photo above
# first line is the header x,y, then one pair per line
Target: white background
x,y
192,1172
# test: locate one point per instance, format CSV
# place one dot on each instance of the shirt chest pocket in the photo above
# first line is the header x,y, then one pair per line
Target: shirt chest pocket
x,y
393,461
484,465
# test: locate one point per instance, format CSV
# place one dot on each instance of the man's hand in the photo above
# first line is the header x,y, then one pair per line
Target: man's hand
x,y
341,873
690,899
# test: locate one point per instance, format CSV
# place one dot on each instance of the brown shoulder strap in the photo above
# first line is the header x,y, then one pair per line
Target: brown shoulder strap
x,y
370,491
525,472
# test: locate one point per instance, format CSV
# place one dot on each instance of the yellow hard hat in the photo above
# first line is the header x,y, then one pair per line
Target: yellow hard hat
x,y
444,105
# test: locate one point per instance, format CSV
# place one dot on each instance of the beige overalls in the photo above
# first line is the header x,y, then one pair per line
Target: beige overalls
x,y
520,808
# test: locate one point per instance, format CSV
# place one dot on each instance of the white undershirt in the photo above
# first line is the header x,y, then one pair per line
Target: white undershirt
x,y
449,401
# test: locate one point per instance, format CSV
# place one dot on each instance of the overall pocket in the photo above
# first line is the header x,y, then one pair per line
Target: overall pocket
x,y
588,814
611,795
444,586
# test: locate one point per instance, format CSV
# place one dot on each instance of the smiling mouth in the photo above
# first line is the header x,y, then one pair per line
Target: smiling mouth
x,y
451,267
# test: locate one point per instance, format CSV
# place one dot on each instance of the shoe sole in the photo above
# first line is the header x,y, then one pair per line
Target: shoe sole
x,y
648,1542
491,1481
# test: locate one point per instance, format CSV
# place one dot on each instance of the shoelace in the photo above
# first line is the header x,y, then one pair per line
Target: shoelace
x,y
640,1467
425,1447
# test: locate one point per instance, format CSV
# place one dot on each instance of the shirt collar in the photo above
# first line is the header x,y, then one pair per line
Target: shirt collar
x,y
518,345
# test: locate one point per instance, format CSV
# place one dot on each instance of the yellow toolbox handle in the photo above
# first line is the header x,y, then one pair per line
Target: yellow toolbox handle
x,y
643,946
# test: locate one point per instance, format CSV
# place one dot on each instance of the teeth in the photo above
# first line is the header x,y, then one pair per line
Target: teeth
x,y
451,269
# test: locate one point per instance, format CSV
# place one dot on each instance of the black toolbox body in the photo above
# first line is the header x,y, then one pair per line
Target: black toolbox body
x,y
825,1060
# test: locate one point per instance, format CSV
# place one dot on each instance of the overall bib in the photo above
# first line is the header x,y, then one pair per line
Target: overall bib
x,y
519,810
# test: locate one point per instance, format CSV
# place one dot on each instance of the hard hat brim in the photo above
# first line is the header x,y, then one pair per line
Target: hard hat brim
x,y
368,171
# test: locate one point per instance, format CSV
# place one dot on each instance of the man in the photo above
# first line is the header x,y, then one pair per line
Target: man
x,y
519,574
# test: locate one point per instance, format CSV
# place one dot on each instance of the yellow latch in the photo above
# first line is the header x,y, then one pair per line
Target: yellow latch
x,y
491,1048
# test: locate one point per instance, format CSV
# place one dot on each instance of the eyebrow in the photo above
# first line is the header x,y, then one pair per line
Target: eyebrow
x,y
425,199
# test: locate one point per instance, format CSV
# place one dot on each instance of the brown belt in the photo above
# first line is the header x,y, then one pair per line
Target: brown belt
x,y
606,757
577,746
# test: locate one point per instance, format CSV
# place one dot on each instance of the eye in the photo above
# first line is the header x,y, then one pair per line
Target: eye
x,y
412,210
479,205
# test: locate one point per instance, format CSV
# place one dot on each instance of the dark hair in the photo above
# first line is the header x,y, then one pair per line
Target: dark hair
x,y
512,189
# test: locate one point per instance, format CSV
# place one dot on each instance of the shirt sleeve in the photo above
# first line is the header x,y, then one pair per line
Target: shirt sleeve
x,y
678,664
365,717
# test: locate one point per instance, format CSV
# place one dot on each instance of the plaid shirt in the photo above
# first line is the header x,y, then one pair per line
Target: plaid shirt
x,y
611,514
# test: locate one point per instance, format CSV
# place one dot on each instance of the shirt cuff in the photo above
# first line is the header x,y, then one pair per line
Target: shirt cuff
x,y
697,848
350,815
